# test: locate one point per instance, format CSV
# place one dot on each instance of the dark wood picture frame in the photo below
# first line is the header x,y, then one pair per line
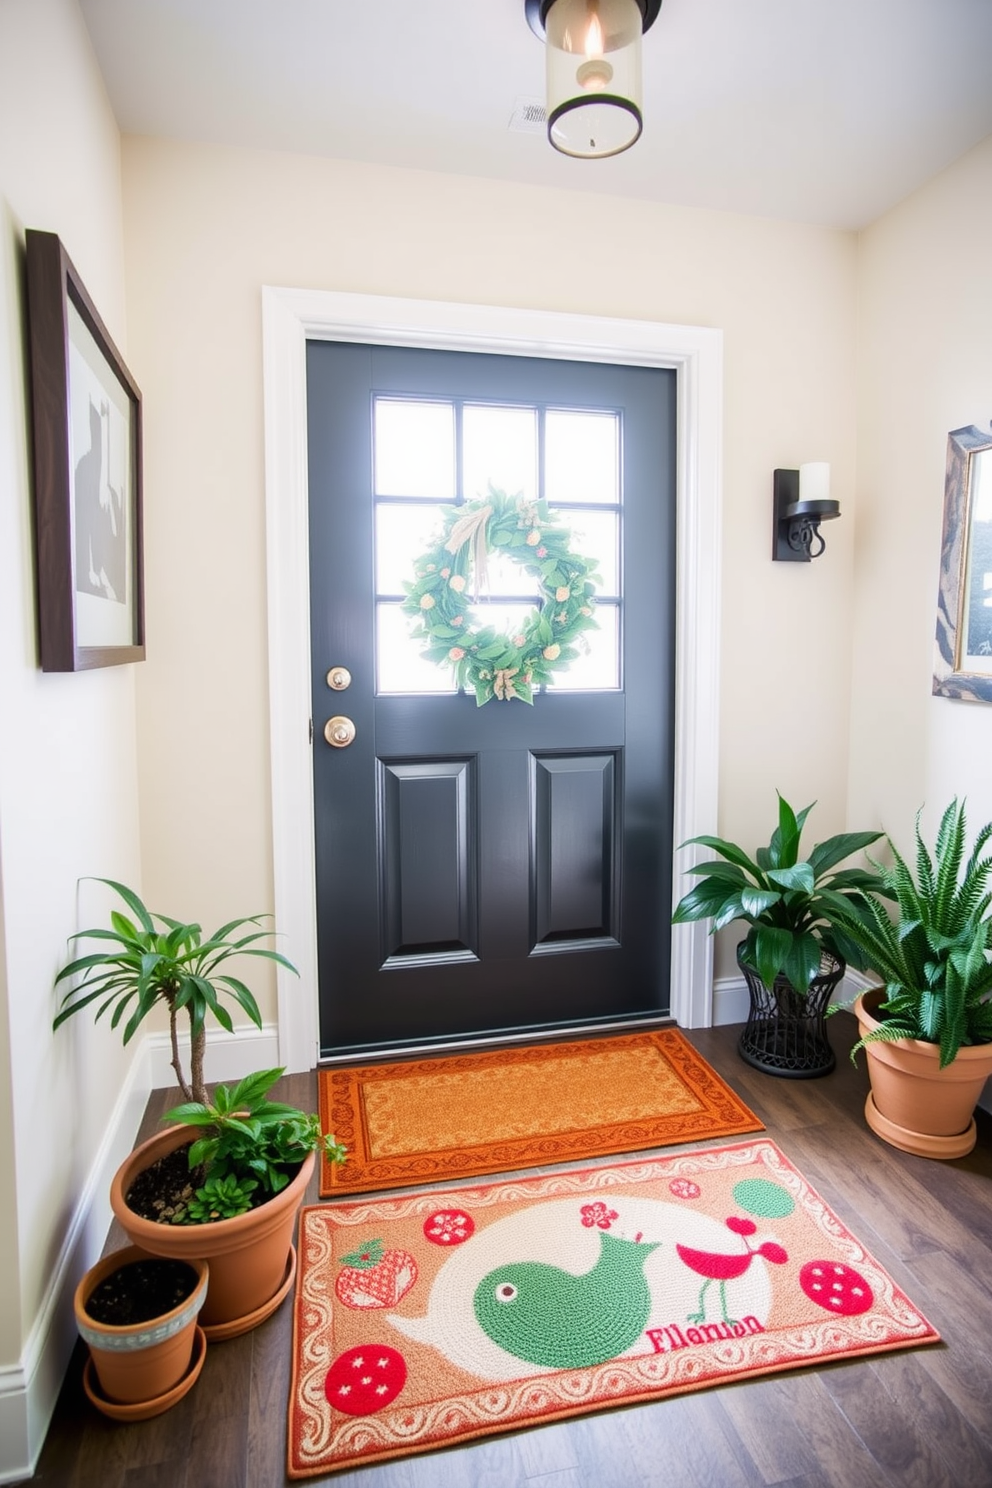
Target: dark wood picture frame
x,y
962,670
88,510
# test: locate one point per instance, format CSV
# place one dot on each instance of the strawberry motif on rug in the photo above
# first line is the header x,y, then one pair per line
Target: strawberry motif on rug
x,y
428,1319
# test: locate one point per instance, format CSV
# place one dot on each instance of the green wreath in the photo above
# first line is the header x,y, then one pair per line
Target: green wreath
x,y
498,665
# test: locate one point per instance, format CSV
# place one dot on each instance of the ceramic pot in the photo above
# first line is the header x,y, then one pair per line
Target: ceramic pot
x,y
914,1104
252,1259
141,1364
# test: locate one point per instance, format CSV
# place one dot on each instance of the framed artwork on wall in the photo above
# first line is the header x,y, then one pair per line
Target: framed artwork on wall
x,y
963,650
86,411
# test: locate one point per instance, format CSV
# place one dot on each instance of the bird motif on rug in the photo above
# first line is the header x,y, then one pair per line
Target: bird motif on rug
x,y
548,1316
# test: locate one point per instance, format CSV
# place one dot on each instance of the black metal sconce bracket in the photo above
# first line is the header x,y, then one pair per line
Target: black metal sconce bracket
x,y
795,523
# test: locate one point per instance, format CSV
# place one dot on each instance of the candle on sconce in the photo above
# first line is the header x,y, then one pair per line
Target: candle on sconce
x,y
814,481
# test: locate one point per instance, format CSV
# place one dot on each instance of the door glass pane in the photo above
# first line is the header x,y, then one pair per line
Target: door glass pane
x,y
499,445
399,664
414,448
581,460
595,534
402,532
599,666
505,577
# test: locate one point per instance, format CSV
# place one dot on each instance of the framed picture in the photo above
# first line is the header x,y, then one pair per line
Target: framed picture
x,y
963,653
87,473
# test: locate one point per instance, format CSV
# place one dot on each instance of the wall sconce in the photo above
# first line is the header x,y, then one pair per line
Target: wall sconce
x,y
593,71
802,502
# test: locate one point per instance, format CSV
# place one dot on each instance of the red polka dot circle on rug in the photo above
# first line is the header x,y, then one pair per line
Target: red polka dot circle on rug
x,y
364,1379
449,1226
836,1287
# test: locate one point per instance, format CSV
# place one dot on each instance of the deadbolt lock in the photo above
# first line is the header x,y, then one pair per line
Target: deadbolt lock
x,y
339,678
339,732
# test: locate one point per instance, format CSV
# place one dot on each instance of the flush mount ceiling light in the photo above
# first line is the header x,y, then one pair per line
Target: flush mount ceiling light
x,y
594,71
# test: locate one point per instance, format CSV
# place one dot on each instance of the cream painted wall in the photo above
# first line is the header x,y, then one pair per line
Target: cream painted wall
x,y
207,227
68,780
925,367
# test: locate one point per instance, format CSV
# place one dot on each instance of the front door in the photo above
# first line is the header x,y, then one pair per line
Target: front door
x,y
486,870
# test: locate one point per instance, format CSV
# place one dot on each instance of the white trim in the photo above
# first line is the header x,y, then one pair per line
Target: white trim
x,y
731,999
30,1388
289,318
229,1056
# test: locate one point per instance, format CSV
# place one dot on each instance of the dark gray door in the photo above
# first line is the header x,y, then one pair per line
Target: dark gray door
x,y
501,868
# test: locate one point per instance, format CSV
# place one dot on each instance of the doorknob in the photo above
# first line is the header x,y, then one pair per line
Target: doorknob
x,y
339,731
339,678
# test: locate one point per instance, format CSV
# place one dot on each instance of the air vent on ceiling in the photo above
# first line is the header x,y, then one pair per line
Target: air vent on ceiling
x,y
529,116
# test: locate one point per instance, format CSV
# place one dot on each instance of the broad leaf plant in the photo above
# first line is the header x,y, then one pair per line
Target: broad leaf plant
x,y
797,907
250,1147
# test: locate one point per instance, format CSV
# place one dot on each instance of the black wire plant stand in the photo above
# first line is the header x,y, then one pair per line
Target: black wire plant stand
x,y
785,1033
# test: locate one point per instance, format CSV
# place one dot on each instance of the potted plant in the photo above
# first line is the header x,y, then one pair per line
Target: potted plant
x,y
229,1195
138,1315
143,966
799,910
927,1033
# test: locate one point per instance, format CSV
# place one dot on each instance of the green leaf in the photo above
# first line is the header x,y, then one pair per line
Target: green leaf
x,y
799,876
716,869
728,850
703,901
771,948
826,855
755,902
784,845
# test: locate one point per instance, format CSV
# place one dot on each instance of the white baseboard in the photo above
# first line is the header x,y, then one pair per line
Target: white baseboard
x,y
228,1057
731,1000
30,1388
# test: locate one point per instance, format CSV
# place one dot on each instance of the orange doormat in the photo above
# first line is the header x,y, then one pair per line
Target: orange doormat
x,y
423,1320
465,1114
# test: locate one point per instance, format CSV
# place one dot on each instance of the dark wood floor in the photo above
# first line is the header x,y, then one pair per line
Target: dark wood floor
x,y
916,1419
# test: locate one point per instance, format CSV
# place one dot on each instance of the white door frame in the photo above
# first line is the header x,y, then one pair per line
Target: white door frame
x,y
290,318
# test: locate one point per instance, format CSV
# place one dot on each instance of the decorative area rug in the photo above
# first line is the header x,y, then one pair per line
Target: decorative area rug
x,y
464,1114
423,1320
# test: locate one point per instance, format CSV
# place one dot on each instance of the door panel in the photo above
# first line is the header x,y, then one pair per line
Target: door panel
x,y
428,855
575,821
481,870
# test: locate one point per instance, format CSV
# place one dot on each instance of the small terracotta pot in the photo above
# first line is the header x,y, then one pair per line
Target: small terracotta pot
x,y
914,1104
142,1362
250,1256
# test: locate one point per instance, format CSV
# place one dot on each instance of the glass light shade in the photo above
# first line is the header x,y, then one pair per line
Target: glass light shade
x,y
594,76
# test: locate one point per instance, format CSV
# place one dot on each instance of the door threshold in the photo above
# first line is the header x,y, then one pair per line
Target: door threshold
x,y
372,1053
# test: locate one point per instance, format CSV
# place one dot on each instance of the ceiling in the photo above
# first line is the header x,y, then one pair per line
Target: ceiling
x,y
822,111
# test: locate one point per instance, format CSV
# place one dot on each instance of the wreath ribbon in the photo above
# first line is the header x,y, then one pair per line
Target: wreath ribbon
x,y
472,529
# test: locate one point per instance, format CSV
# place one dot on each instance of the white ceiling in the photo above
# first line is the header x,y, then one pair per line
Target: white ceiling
x,y
825,111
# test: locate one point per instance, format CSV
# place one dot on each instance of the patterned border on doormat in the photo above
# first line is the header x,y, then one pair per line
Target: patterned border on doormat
x,y
428,1319
461,1115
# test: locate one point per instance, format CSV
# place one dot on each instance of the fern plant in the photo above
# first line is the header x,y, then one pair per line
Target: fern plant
x,y
935,954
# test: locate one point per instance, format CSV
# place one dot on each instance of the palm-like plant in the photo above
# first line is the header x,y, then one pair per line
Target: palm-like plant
x,y
796,907
173,965
934,955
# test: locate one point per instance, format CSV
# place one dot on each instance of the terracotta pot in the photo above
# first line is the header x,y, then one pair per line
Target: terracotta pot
x,y
252,1259
914,1104
142,1363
